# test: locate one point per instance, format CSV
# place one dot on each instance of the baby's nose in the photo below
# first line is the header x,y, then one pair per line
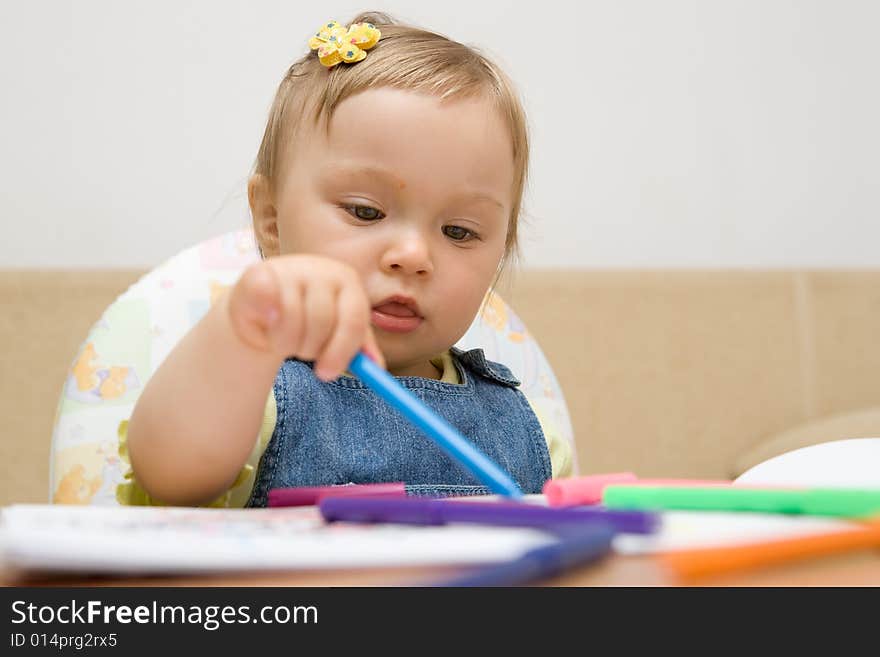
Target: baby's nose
x,y
410,255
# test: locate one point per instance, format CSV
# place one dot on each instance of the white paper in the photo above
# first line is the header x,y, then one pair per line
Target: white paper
x,y
150,540
686,530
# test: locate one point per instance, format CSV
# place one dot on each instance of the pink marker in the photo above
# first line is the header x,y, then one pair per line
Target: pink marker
x,y
307,495
588,490
583,490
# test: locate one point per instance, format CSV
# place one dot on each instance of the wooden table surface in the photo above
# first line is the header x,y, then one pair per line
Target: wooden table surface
x,y
861,568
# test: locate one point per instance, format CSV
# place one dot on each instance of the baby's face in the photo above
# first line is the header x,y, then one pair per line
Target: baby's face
x,y
415,194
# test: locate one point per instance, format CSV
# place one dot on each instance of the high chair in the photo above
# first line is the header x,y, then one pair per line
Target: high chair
x,y
138,330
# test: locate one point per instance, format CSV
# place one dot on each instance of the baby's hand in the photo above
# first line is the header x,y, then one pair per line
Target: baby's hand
x,y
306,307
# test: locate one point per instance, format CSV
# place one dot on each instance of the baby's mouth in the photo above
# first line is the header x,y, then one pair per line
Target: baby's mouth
x,y
396,316
396,309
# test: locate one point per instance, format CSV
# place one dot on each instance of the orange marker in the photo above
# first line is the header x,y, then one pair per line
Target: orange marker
x,y
694,564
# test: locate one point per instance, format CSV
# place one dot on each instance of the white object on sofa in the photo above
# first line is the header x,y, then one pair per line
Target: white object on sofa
x,y
849,463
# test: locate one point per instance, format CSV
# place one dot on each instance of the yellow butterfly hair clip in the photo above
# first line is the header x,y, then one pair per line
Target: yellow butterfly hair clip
x,y
335,43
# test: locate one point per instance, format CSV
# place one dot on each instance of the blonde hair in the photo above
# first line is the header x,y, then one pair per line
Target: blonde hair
x,y
405,58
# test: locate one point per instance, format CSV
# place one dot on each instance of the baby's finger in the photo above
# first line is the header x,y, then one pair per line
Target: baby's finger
x,y
254,305
352,323
319,309
371,348
287,333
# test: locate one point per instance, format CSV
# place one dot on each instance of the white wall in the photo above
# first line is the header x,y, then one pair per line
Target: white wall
x,y
666,133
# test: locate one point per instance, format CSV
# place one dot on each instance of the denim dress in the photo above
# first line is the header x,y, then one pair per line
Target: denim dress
x,y
341,432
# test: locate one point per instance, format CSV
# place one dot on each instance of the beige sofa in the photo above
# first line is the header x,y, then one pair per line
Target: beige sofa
x,y
669,373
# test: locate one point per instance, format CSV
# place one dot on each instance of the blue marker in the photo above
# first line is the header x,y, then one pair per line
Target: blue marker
x,y
439,430
591,542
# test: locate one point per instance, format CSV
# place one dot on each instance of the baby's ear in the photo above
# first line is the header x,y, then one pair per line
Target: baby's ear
x,y
264,213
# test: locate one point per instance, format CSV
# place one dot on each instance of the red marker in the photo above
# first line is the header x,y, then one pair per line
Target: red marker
x,y
308,495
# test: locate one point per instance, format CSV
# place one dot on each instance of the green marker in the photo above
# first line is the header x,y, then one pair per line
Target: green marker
x,y
846,502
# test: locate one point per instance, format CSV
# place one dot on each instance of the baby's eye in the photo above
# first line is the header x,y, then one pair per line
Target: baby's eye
x,y
458,233
364,212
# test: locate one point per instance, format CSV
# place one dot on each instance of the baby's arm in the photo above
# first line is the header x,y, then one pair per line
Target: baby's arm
x,y
197,419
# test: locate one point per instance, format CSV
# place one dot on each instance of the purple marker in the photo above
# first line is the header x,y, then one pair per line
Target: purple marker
x,y
439,512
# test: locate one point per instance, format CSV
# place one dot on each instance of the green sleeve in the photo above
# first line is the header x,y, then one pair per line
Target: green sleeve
x,y
130,492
